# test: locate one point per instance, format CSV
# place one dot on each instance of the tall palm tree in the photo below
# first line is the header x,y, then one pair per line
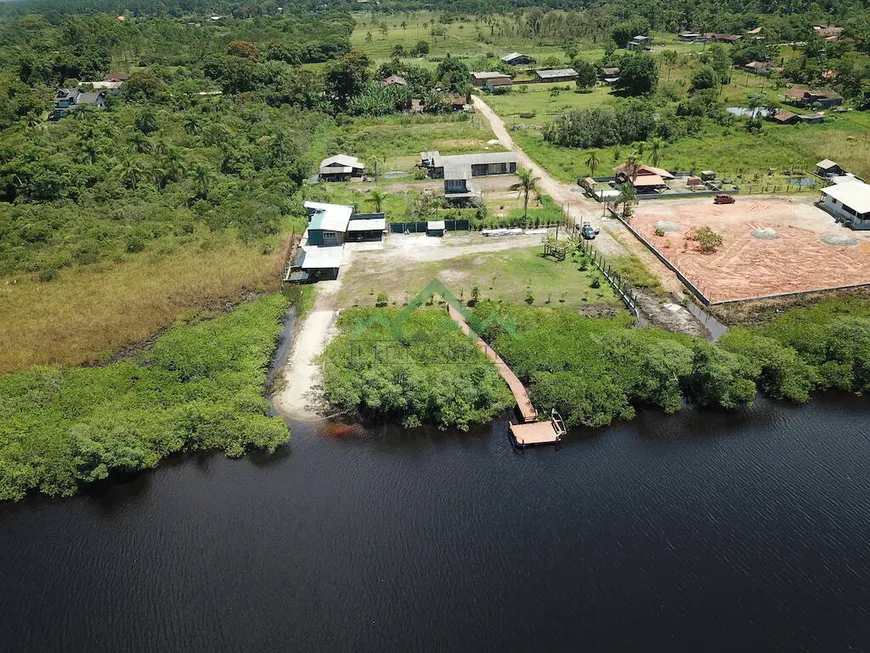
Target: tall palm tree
x,y
593,162
527,185
377,197
129,172
91,152
404,25
656,146
192,124
203,176
631,165
140,142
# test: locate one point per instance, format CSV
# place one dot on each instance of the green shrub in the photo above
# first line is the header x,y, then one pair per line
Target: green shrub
x,y
200,387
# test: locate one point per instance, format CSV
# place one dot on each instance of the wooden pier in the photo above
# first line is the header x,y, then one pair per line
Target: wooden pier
x,y
529,431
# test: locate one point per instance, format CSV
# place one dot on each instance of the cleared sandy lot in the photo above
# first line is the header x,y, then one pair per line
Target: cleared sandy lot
x,y
772,246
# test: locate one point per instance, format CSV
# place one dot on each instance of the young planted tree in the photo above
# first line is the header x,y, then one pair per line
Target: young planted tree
x,y
655,151
377,197
527,185
627,197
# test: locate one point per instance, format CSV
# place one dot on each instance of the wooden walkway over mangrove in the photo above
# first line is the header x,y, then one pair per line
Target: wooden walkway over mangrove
x,y
530,431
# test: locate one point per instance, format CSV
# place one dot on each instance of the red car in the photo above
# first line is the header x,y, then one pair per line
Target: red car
x,y
723,199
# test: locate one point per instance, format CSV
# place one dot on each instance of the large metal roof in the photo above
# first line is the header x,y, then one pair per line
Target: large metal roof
x,y
474,159
329,217
367,224
560,72
854,194
322,258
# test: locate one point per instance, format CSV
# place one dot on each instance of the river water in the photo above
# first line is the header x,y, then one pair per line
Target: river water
x,y
697,532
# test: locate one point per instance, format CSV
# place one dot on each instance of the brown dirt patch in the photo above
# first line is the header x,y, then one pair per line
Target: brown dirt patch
x,y
746,266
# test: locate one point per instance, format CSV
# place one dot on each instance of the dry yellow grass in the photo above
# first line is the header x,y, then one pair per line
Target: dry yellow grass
x,y
88,313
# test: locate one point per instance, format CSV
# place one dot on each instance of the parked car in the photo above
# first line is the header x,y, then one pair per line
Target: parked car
x,y
723,199
588,232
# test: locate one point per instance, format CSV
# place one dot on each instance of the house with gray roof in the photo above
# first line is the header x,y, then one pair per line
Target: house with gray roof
x,y
517,59
341,167
482,164
330,226
556,75
481,79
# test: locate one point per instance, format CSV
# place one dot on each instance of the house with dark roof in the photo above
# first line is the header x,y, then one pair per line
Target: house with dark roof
x,y
785,117
804,97
480,79
341,167
556,75
722,38
645,178
517,59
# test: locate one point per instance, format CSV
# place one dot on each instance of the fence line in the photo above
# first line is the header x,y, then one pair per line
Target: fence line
x,y
694,289
622,289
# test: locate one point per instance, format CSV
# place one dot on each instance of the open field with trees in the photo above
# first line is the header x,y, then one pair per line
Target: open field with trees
x,y
511,276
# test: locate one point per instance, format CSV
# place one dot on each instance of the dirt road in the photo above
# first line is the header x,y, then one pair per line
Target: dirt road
x,y
613,239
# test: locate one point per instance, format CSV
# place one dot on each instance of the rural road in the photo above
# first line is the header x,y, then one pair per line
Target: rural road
x,y
668,314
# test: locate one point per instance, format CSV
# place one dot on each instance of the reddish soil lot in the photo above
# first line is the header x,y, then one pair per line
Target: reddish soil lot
x,y
772,246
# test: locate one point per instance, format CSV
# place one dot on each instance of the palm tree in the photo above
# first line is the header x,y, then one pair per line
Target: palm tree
x,y
192,124
374,165
404,25
140,143
129,172
527,185
203,176
655,152
627,196
91,152
377,198
593,162
631,165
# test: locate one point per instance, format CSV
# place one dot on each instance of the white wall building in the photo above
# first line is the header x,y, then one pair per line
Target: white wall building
x,y
849,201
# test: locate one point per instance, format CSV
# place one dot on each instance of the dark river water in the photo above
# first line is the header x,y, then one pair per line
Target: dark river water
x,y
698,532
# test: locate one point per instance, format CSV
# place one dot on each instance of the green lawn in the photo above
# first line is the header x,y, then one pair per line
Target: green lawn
x,y
508,276
396,141
538,99
844,137
469,38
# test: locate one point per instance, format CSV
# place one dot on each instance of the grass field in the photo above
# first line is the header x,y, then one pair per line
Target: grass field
x,y
467,38
509,276
88,313
844,138
396,141
541,100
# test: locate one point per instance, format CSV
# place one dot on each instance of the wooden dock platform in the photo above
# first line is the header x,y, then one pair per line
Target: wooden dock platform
x,y
534,433
524,403
530,432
